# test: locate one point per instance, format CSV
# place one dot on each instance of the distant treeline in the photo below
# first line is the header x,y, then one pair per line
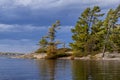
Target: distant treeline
x,y
10,54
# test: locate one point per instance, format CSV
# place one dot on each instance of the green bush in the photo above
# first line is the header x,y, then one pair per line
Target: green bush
x,y
40,50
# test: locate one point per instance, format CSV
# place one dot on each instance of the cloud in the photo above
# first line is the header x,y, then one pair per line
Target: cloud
x,y
23,22
25,44
46,4
20,28
20,46
29,28
14,42
44,12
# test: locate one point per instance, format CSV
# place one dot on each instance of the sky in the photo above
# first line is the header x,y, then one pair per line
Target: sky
x,y
24,22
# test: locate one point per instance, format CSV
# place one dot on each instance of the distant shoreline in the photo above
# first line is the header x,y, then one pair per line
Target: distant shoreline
x,y
10,54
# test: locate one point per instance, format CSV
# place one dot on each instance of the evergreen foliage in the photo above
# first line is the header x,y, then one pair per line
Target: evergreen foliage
x,y
111,30
43,45
87,27
48,44
92,35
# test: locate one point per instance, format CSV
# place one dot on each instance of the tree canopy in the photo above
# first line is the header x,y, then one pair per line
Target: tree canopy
x,y
92,35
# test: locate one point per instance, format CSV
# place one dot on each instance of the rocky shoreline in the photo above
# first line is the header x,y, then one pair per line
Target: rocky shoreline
x,y
108,56
31,56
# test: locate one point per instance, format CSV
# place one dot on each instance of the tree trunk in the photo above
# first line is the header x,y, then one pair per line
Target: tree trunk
x,y
106,41
104,49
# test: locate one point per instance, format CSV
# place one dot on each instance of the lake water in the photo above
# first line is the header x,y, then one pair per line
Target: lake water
x,y
25,69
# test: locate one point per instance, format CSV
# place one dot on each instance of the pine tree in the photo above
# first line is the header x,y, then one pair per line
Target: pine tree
x,y
84,29
109,24
48,43
80,33
52,44
43,45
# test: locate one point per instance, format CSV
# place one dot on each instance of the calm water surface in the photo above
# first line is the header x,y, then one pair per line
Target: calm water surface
x,y
25,69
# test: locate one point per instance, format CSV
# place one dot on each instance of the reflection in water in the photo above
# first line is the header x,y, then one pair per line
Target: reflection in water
x,y
96,70
54,69
25,69
47,69
107,70
78,70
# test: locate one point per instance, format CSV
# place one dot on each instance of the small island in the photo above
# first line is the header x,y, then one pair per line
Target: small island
x,y
59,39
95,36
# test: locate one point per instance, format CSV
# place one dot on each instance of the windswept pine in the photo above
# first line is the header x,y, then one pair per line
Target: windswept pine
x,y
88,32
111,43
48,44
92,34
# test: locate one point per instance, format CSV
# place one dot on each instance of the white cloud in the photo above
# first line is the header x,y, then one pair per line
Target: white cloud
x,y
30,28
46,4
20,28
35,9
